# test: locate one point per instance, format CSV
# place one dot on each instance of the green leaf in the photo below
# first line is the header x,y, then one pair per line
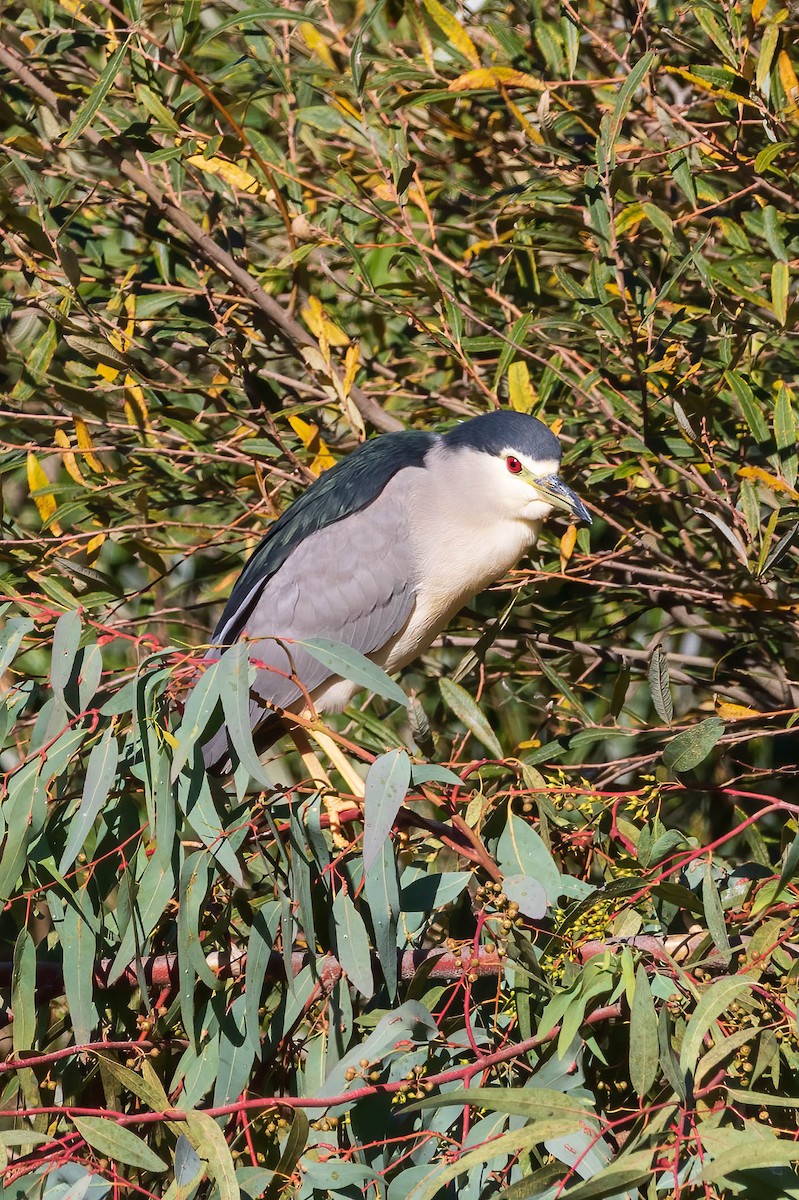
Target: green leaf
x,y
155,889
644,1054
658,676
749,406
714,915
66,640
352,944
209,1142
118,1143
529,894
259,949
10,639
234,674
291,1153
519,1102
195,880
25,794
198,804
785,434
691,747
381,885
521,851
236,1054
351,664
100,775
533,1134
625,96
150,1092
715,1000
387,784
464,707
23,992
617,1178
780,282
77,933
750,1153
196,715
90,106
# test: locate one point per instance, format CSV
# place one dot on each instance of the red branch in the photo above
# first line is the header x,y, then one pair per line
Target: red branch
x,y
608,1013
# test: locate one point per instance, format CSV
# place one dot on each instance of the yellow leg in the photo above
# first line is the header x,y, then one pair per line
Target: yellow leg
x,y
333,803
339,761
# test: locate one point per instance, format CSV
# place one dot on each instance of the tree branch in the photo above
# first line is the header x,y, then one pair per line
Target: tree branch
x,y
294,336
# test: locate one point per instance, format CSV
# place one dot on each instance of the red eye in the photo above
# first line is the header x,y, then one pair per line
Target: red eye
x,y
513,465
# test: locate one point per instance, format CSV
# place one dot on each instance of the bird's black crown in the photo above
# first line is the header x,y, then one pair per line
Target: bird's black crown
x,y
495,432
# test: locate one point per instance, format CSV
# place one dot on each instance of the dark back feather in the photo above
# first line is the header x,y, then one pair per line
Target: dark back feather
x,y
349,486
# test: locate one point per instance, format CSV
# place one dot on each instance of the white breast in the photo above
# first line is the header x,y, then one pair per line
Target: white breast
x,y
466,535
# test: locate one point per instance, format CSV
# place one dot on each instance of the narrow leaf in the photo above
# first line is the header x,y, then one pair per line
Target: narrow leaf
x,y
66,640
780,280
351,664
716,999
118,1143
79,943
749,406
23,992
691,747
387,784
100,775
454,32
714,914
88,110
209,1142
643,1036
352,944
658,676
464,707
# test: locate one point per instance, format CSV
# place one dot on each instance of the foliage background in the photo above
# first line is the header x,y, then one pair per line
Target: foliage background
x,y
238,238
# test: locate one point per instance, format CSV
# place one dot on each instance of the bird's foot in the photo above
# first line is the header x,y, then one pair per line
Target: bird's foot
x,y
335,806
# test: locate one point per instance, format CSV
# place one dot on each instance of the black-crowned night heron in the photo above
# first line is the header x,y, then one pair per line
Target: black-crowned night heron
x,y
382,550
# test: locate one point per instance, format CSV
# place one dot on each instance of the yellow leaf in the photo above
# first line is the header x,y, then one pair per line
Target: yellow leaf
x,y
135,404
93,547
493,78
629,217
227,171
757,474
488,244
326,332
314,41
735,712
344,106
567,544
556,425
69,460
454,32
758,7
310,438
87,446
705,86
529,129
351,361
425,44
168,736
789,82
522,392
37,480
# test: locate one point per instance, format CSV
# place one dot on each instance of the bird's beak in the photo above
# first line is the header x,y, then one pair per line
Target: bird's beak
x,y
555,492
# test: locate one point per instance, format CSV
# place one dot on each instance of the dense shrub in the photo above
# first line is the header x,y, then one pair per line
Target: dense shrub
x,y
240,238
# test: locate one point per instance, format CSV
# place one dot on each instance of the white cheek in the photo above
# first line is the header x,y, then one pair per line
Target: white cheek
x,y
537,510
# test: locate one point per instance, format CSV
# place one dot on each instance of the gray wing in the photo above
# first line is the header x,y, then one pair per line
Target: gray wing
x,y
351,581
